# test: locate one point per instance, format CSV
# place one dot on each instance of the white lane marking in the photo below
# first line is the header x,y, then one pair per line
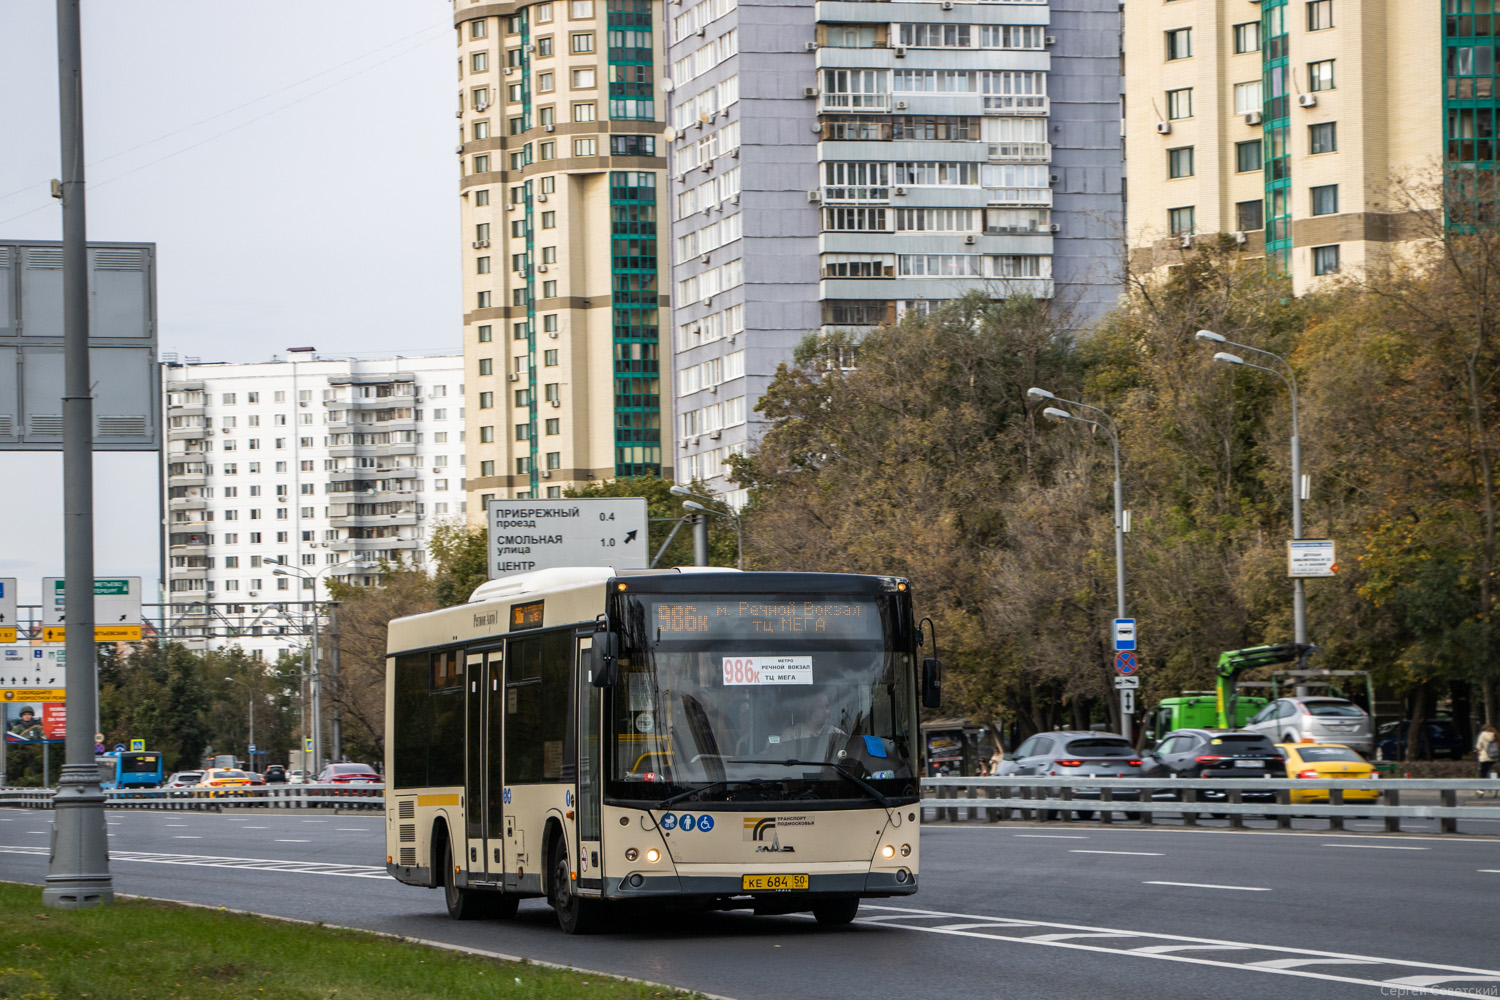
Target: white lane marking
x,y
1141,854
1075,935
181,836
1208,831
176,826
344,829
209,861
1489,871
1380,847
1297,963
257,828
315,821
1050,836
1169,952
1209,885
280,841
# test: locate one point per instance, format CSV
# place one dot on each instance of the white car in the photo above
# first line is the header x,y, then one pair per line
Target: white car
x,y
297,777
1315,720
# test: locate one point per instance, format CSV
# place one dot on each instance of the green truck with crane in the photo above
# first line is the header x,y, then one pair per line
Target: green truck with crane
x,y
1225,707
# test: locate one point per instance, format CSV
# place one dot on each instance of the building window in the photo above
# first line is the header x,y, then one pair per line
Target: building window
x,y
544,82
584,112
523,432
1247,155
585,147
1247,97
549,289
1325,199
517,125
583,78
1180,162
1180,103
1326,259
523,397
486,468
486,400
482,232
487,434
1319,16
1320,75
479,29
549,220
481,130
483,300
1180,221
553,391
486,366
479,62
481,197
544,46
1250,215
580,9
1247,37
547,151
549,323
519,331
554,460
549,358
482,265
523,466
485,334
1323,137
554,425
1180,43
549,255
583,42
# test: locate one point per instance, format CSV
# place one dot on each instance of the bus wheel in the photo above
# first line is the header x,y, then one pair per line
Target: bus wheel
x,y
462,904
836,912
575,914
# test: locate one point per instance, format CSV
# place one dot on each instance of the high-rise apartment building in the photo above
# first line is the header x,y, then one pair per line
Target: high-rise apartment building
x,y
1288,122
561,192
836,165
319,468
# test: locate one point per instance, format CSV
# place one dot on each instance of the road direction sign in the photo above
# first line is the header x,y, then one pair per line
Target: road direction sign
x,y
527,535
33,673
1127,683
117,609
8,609
1310,557
1124,633
1125,662
1127,702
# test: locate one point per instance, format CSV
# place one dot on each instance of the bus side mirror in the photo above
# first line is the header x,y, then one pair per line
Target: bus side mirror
x,y
932,682
604,659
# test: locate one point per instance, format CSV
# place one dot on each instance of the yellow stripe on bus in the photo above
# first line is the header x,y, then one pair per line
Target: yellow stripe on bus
x,y
437,800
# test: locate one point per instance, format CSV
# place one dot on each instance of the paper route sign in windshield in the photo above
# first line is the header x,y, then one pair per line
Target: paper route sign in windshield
x,y
741,670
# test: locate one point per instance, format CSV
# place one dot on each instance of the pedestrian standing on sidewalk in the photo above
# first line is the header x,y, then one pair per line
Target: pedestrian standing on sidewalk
x,y
1487,750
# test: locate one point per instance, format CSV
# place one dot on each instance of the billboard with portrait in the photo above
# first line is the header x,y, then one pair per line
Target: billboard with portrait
x,y
35,722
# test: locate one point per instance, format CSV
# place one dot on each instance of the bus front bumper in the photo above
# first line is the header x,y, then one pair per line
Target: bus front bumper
x,y
639,885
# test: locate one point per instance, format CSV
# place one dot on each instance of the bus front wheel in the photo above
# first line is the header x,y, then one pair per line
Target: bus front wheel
x,y
575,914
836,912
462,904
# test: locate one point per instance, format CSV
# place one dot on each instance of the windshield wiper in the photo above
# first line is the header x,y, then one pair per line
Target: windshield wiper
x,y
837,766
672,800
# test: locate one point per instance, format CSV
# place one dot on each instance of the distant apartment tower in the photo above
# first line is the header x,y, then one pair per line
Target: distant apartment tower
x,y
324,467
1286,122
838,165
561,195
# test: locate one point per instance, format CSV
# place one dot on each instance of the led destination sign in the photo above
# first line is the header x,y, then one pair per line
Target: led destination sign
x,y
730,617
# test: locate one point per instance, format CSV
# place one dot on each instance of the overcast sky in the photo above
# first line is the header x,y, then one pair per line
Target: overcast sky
x,y
293,162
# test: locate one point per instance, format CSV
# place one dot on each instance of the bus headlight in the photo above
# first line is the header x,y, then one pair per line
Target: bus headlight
x,y
653,855
887,851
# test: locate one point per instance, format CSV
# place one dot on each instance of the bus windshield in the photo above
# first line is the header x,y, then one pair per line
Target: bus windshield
x,y
757,698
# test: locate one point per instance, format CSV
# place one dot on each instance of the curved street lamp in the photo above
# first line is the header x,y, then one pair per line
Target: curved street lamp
x,y
700,527
1108,426
1289,378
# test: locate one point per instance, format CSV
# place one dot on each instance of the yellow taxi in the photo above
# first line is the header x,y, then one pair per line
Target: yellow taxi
x,y
224,781
1324,761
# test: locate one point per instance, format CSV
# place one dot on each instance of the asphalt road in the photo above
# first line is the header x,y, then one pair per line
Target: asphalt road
x,y
1018,911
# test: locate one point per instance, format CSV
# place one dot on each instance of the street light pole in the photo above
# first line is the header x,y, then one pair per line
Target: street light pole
x,y
250,741
1114,439
1299,586
701,523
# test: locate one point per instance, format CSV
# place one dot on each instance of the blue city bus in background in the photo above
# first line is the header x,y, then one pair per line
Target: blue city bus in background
x,y
130,769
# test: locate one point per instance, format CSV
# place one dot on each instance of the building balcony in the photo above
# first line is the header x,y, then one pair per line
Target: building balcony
x,y
187,503
363,545
1037,197
187,479
1017,104
391,450
188,433
845,103
187,410
1020,152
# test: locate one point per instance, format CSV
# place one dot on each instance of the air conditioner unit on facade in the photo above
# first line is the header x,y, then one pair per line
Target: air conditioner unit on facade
x,y
1240,238
510,71
708,167
253,593
734,199
900,51
1054,228
703,259
1163,128
1186,243
1252,118
900,105
556,402
549,128
481,244
899,190
546,474
542,198
1307,100
1050,39
947,4
815,195
541,269
716,435
515,376
812,46
970,240
809,91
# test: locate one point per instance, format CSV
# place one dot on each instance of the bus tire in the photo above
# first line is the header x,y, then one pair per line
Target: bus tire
x,y
462,903
575,914
836,912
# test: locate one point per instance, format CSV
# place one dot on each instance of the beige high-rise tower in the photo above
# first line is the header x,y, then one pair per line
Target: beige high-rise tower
x,y
1286,123
562,194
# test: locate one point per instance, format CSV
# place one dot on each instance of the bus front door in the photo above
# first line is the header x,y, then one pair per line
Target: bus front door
x,y
481,774
587,835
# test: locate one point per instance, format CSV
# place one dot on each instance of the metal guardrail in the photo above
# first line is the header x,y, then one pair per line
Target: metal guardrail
x,y
1048,799
217,799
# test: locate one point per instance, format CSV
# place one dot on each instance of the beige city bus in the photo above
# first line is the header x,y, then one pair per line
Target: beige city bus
x,y
701,737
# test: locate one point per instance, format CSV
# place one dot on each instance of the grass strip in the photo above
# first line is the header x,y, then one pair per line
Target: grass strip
x,y
145,949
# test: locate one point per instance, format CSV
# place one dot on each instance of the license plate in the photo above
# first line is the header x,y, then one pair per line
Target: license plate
x,y
1248,763
773,883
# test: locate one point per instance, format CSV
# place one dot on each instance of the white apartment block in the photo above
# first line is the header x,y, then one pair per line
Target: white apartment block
x,y
320,468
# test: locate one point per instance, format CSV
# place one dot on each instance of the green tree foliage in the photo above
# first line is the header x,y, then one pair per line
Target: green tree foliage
x,y
461,551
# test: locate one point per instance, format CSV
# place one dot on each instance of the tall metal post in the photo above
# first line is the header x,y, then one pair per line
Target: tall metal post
x,y
336,727
78,872
1126,718
315,686
700,539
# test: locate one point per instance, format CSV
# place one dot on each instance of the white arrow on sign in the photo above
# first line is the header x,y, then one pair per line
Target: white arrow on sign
x,y
1130,683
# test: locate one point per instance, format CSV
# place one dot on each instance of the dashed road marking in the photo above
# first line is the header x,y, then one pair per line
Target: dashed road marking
x,y
1210,885
1427,978
1050,836
208,861
1139,854
1380,847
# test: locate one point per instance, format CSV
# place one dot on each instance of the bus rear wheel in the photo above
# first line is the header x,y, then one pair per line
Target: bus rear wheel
x,y
575,914
836,912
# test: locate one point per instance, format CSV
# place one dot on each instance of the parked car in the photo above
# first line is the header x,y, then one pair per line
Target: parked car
x,y
225,781
349,774
274,774
1325,761
1315,720
296,777
1214,753
1076,754
1440,739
